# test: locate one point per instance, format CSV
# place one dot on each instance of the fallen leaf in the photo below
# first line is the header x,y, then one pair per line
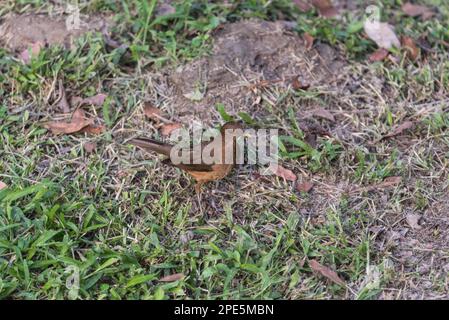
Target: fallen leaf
x,y
325,8
168,128
3,185
379,55
77,123
151,112
413,220
390,182
29,53
63,104
399,129
299,85
381,33
412,50
96,100
303,5
90,147
172,277
308,40
94,129
282,172
416,10
322,113
326,272
304,187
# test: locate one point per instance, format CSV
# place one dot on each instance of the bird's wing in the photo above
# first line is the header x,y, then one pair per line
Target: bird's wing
x,y
190,167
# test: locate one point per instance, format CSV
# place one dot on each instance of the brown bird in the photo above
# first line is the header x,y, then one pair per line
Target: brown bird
x,y
202,172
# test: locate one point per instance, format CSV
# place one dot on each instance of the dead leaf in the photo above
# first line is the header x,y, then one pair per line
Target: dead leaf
x,y
77,123
96,100
172,277
63,104
416,10
32,52
151,112
390,182
412,50
308,40
382,34
322,113
168,128
90,147
282,172
325,8
399,129
379,55
413,220
326,272
94,129
299,85
3,185
304,187
303,5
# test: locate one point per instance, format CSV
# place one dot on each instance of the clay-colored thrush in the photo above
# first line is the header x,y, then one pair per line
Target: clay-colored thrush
x,y
202,172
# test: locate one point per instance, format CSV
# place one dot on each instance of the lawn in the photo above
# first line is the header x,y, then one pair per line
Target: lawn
x,y
86,215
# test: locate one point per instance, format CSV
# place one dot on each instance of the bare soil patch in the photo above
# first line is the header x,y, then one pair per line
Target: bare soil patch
x,y
248,56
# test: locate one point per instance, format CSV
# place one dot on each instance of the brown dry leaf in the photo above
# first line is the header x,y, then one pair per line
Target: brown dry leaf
x,y
94,129
413,221
410,45
322,113
299,85
379,55
96,100
167,129
390,182
308,40
326,272
35,48
3,185
172,277
382,34
151,112
63,104
77,123
303,5
90,147
399,129
416,10
282,172
304,187
325,8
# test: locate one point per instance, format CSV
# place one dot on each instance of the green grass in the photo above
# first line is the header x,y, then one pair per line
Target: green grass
x,y
119,221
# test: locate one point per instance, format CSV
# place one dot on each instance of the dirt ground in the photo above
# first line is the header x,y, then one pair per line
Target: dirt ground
x,y
253,67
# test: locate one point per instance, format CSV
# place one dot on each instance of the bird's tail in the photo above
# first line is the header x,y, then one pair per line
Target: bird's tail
x,y
152,145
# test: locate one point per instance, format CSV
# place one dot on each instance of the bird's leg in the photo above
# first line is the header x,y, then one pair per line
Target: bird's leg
x,y
198,187
198,194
